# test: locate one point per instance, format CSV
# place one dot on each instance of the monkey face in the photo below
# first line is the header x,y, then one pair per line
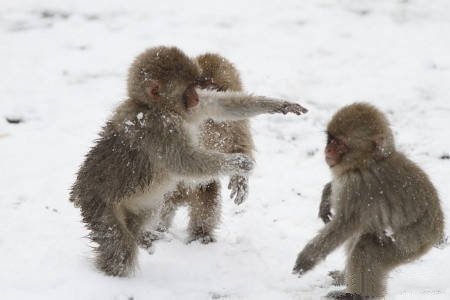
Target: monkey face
x,y
190,97
177,95
208,83
335,150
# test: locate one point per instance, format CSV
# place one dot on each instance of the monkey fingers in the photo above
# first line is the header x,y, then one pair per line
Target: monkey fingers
x,y
239,188
303,264
202,238
325,212
240,162
338,277
290,107
343,295
146,239
325,204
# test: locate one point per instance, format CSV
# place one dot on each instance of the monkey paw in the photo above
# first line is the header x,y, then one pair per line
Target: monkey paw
x,y
325,211
343,295
289,107
146,239
203,238
240,163
338,277
303,264
162,228
239,188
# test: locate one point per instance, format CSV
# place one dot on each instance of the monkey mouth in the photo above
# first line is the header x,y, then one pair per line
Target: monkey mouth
x,y
190,111
331,161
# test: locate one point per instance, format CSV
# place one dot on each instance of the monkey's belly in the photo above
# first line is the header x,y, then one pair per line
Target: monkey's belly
x,y
151,198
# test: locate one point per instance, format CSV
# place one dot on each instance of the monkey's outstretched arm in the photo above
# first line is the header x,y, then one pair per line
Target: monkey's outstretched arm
x,y
230,106
329,238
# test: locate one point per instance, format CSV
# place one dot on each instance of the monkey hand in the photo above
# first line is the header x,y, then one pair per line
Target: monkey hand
x,y
290,107
239,188
325,211
239,163
146,238
304,263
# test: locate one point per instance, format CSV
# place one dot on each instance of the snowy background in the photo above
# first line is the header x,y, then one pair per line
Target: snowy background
x,y
63,69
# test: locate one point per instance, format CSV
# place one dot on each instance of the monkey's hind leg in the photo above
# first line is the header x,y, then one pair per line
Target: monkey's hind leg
x,y
204,212
172,201
343,295
144,227
116,252
366,270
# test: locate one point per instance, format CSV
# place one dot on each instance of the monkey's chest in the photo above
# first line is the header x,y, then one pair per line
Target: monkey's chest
x,y
217,136
150,198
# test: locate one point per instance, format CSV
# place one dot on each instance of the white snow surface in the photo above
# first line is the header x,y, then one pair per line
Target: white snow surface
x,y
63,70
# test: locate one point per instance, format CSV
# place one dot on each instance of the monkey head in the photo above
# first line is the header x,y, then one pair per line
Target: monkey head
x,y
357,135
218,73
164,77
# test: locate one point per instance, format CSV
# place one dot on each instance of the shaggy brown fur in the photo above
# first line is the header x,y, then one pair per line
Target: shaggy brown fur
x,y
146,148
386,209
226,137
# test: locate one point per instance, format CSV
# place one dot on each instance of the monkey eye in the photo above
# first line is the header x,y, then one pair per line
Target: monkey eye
x,y
203,82
330,138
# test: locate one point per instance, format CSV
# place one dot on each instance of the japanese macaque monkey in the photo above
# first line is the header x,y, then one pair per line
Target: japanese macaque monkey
x,y
203,199
387,212
146,148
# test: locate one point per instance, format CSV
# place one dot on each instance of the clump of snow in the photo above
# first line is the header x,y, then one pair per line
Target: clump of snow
x,y
64,70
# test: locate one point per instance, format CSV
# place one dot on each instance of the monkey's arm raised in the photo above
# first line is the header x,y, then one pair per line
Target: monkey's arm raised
x,y
328,239
230,106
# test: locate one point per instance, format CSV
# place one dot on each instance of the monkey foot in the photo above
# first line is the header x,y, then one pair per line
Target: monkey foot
x,y
146,240
338,277
150,250
343,295
203,238
162,228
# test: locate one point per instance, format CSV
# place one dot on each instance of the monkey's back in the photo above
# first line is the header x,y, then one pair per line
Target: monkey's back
x,y
397,195
113,169
420,206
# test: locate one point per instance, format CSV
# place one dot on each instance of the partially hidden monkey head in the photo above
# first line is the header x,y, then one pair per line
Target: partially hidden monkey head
x,y
357,135
164,77
218,73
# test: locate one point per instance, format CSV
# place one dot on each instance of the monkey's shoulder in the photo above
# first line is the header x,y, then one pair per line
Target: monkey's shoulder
x,y
139,124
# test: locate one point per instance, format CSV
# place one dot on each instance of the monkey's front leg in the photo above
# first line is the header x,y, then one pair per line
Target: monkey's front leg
x,y
329,238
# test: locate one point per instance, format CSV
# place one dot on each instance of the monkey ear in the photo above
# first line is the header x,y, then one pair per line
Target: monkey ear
x,y
153,90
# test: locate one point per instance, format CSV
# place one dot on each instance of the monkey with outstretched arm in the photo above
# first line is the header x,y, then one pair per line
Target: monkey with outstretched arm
x,y
146,148
204,198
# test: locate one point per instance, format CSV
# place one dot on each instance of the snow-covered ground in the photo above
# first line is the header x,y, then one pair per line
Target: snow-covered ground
x,y
63,68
